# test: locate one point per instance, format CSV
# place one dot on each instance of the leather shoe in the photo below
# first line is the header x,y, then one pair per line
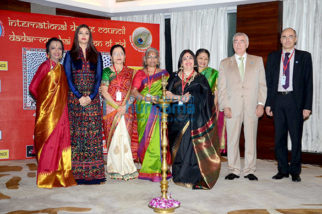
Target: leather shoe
x,y
296,178
251,177
231,176
279,176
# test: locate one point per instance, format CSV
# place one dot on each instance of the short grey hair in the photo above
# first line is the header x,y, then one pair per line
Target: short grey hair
x,y
241,34
289,28
145,57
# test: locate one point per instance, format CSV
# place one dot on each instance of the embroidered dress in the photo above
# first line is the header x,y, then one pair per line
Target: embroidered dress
x,y
212,77
193,135
52,137
149,124
119,129
85,122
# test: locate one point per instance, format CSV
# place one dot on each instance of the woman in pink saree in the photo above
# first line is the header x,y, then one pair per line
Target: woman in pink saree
x,y
203,57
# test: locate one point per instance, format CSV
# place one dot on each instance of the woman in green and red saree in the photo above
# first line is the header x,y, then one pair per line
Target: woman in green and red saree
x,y
203,57
119,120
192,129
146,88
52,136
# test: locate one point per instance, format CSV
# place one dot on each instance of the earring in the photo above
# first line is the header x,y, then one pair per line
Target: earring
x,y
48,55
181,68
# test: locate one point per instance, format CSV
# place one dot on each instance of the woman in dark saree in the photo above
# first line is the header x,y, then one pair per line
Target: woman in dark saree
x,y
191,126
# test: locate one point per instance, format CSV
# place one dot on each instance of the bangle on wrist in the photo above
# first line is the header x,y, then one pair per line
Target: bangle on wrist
x,y
112,105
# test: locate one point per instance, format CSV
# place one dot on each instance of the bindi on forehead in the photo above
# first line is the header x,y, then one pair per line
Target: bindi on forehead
x,y
55,44
152,54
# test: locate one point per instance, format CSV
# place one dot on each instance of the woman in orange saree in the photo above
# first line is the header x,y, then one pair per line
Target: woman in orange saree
x,y
52,136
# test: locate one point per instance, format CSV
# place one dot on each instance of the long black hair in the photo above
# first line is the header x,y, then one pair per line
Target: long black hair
x,y
91,52
194,59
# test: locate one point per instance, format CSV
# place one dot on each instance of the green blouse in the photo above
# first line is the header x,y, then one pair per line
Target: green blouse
x,y
212,76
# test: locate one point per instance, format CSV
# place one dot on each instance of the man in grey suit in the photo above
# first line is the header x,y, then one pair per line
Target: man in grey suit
x,y
242,94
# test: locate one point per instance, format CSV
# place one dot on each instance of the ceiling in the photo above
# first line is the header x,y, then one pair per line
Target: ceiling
x,y
130,7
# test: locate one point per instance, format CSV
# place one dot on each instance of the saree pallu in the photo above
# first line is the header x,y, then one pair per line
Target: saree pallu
x,y
149,124
119,129
193,135
52,136
212,77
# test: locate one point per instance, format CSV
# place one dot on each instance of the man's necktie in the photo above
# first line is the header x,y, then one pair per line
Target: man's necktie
x,y
287,71
241,67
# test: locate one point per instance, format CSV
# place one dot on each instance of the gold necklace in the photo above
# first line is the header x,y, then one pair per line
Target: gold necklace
x,y
186,75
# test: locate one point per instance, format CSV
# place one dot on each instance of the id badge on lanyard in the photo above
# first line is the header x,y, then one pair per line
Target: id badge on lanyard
x,y
148,96
118,96
283,80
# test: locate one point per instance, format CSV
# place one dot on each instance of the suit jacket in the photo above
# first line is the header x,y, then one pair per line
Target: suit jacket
x,y
302,78
242,96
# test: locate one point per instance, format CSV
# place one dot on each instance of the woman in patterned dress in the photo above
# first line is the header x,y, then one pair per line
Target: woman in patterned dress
x,y
119,121
52,137
147,89
83,67
203,57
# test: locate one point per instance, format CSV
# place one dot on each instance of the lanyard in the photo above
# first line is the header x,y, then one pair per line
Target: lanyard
x,y
150,79
183,84
117,79
289,59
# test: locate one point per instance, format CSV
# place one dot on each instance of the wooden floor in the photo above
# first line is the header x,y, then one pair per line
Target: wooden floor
x,y
265,144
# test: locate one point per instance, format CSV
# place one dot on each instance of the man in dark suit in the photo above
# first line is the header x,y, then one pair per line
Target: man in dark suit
x,y
289,79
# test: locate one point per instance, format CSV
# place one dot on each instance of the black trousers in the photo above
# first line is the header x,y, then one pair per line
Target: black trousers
x,y
288,118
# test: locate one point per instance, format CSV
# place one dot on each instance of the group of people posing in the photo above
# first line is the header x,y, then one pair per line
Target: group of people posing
x,y
70,119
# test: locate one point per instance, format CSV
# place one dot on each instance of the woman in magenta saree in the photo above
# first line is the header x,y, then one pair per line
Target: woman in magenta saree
x,y
211,75
147,89
52,136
